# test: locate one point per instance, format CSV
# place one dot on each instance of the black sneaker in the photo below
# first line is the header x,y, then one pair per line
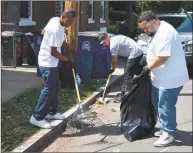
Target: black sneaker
x,y
119,98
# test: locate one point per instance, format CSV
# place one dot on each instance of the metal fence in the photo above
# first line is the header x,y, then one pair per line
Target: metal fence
x,y
8,45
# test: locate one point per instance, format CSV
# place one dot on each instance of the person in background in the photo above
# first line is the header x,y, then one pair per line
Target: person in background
x,y
48,59
126,47
167,65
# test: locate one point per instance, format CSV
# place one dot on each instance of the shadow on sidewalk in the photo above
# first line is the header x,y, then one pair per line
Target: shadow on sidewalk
x,y
185,94
104,130
183,138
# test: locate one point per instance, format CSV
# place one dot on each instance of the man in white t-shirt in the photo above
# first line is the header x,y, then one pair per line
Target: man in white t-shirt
x,y
126,47
166,61
48,59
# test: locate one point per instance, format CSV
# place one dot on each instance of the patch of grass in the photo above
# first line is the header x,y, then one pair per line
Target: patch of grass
x,y
15,114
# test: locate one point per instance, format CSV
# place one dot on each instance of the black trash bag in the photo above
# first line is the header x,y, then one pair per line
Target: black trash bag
x,y
138,116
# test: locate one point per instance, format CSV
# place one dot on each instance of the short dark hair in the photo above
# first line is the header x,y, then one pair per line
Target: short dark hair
x,y
69,13
147,16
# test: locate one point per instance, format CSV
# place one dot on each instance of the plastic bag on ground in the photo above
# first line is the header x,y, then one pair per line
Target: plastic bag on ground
x,y
138,116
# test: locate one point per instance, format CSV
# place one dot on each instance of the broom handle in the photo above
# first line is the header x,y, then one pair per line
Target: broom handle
x,y
106,86
73,72
76,85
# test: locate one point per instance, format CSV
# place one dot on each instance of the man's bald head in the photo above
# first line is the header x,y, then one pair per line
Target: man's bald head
x,y
68,17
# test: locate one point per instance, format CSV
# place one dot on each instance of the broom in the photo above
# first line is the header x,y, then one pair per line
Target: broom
x,y
100,101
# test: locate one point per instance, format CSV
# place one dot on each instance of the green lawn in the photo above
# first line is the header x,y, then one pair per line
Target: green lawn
x,y
15,114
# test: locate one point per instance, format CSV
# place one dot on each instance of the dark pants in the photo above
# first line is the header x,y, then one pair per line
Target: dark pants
x,y
133,67
48,98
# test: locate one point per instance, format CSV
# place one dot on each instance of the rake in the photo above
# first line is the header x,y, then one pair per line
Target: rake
x,y
82,119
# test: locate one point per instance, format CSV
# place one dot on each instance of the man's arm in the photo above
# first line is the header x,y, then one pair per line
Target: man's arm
x,y
54,42
57,55
160,60
43,31
114,61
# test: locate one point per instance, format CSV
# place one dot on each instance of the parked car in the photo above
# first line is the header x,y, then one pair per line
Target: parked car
x,y
182,22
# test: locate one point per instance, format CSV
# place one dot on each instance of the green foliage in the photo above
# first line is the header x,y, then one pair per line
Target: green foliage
x,y
162,6
113,28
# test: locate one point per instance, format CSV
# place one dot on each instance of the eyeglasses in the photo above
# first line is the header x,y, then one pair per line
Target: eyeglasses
x,y
146,27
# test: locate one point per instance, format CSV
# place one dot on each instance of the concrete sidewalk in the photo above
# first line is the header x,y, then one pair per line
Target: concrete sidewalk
x,y
109,139
16,81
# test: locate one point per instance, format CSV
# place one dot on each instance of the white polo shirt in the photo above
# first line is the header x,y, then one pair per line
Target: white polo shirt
x,y
54,36
173,73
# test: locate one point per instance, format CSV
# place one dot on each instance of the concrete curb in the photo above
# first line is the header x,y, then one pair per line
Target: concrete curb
x,y
44,135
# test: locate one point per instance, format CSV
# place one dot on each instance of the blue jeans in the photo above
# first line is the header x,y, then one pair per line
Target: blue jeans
x,y
164,101
48,98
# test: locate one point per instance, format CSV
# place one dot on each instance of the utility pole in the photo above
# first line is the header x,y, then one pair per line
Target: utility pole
x,y
73,30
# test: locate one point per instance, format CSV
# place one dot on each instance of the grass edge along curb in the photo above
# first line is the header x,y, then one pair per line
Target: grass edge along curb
x,y
45,135
15,113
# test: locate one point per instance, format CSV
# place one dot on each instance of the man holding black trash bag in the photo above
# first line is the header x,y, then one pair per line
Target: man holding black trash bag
x,y
126,47
167,65
48,59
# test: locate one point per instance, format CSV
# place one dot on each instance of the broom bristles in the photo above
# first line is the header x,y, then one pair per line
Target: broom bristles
x,y
100,102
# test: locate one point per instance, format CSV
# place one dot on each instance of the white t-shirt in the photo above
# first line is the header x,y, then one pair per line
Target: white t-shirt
x,y
124,46
173,73
54,36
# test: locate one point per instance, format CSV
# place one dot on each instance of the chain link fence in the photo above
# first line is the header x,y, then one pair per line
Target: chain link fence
x,y
8,45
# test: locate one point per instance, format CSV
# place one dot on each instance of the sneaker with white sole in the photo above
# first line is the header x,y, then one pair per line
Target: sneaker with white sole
x,y
165,140
158,133
57,116
42,124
